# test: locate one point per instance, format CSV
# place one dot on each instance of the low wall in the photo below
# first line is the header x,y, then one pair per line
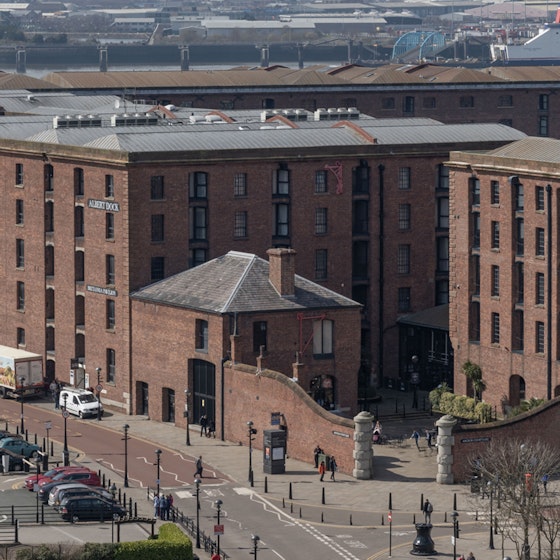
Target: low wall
x,y
252,396
471,440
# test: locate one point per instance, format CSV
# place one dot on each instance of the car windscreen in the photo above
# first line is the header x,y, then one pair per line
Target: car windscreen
x,y
87,398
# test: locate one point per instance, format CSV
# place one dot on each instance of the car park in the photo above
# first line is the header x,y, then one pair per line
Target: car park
x,y
47,476
76,493
20,447
90,508
85,476
64,490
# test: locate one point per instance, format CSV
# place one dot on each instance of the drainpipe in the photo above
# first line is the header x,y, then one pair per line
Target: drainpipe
x,y
549,293
222,393
380,325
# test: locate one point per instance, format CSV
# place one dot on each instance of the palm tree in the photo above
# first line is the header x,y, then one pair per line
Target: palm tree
x,y
473,372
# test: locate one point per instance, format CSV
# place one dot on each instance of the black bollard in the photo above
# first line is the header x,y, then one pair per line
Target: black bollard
x,y
476,515
130,506
119,495
414,519
322,518
350,519
291,507
382,520
445,518
35,439
266,484
323,496
44,446
283,503
300,513
455,501
290,491
52,449
421,502
103,480
135,509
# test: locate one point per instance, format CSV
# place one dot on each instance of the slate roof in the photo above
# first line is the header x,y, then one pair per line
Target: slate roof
x,y
531,148
237,283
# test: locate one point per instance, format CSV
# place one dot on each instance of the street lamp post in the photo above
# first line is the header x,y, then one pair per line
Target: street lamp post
x,y
251,432
125,428
187,399
38,464
98,389
158,455
491,492
255,539
197,485
455,516
22,427
65,454
218,504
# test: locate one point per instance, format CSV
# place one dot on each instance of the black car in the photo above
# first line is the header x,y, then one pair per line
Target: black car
x,y
90,508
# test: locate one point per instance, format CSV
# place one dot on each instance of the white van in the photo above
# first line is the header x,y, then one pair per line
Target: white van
x,y
79,402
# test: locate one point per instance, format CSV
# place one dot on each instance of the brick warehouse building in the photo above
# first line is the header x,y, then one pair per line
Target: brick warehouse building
x,y
525,98
103,211
504,269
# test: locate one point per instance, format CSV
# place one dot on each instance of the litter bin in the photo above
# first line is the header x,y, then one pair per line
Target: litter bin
x,y
475,484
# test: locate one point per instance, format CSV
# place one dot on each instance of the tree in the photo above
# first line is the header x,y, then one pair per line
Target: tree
x,y
473,373
513,470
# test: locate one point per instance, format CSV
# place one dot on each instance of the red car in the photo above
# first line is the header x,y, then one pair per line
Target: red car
x,y
30,481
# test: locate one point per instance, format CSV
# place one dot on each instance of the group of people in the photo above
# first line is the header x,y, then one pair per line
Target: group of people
x,y
55,387
207,427
469,557
163,507
429,438
321,465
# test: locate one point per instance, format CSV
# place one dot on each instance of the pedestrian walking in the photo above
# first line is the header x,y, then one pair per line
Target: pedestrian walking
x,y
54,388
163,507
203,425
429,438
199,467
416,436
427,509
322,469
334,468
471,556
170,510
316,452
156,506
211,429
544,480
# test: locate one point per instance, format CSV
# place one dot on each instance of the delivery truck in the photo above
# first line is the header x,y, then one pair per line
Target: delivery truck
x,y
21,372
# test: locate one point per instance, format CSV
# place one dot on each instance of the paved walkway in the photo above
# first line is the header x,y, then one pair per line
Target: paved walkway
x,y
401,470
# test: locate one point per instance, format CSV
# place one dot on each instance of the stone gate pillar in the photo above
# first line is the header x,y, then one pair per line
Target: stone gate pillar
x,y
363,448
445,442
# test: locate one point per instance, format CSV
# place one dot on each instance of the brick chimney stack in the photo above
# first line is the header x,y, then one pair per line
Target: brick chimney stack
x,y
282,270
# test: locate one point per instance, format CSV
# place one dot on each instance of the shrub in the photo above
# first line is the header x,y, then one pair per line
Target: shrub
x,y
98,551
435,394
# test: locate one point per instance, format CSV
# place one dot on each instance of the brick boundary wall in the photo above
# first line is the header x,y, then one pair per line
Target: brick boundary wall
x,y
252,396
535,425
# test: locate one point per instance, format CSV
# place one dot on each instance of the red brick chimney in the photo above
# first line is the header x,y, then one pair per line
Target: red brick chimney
x,y
282,270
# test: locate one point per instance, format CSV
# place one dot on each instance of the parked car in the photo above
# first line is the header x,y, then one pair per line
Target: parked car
x,y
5,434
64,490
90,508
16,463
20,447
78,493
85,476
47,476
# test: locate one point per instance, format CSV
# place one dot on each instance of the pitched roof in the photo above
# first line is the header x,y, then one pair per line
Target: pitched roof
x,y
433,318
237,283
531,148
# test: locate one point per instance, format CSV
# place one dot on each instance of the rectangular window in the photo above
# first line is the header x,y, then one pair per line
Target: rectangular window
x,y
519,283
543,125
282,220
20,253
321,264
494,192
408,105
519,197
240,184
111,365
505,101
539,242
78,181
443,254
259,335
19,174
109,186
360,217
320,221
539,289
404,216
157,191
110,314
403,259
321,182
518,334
198,188
539,337
519,237
360,178
474,322
442,292
157,268
201,339
466,101
110,270
495,232
198,256
443,177
20,336
475,191
19,211
198,225
48,171
20,287
388,103
281,185
429,102
543,102
495,287
404,300
158,231
495,334
443,212
404,178
476,274
240,225
476,230
322,338
109,226
539,198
